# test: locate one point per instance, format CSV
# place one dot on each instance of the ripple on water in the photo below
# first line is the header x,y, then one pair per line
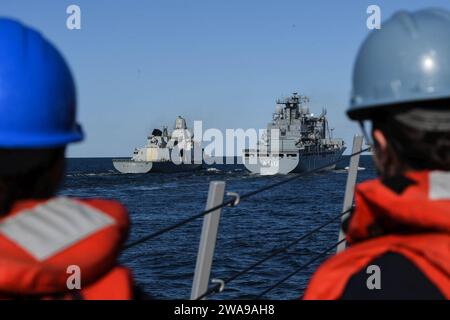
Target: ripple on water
x,y
248,232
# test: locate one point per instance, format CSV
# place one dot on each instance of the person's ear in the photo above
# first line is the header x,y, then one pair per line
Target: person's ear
x,y
381,155
380,140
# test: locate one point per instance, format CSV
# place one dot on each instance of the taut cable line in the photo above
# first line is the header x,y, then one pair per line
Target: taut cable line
x,y
302,267
231,202
216,288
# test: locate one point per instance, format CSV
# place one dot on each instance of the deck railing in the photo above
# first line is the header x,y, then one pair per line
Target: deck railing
x,y
201,288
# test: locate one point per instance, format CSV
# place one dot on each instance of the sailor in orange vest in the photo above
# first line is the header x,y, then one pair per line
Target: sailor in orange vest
x,y
399,232
50,247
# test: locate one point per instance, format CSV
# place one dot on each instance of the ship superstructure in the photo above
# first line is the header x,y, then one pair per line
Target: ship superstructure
x,y
295,140
164,152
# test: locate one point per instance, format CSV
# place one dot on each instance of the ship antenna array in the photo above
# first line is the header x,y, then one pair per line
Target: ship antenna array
x,y
234,200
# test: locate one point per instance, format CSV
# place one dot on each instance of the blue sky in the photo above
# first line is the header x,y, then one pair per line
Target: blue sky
x,y
140,63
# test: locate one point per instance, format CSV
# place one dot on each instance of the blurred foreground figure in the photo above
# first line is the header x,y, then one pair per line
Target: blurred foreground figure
x,y
50,247
399,232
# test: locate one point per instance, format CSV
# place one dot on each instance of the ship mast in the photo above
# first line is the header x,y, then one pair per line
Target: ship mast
x,y
293,106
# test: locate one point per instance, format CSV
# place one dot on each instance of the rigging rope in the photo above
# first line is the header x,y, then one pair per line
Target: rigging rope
x,y
320,255
216,288
232,201
179,224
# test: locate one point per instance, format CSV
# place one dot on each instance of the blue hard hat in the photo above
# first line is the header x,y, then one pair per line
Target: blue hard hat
x,y
37,91
405,62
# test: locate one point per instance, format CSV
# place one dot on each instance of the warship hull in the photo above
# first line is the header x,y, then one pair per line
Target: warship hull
x,y
131,166
290,162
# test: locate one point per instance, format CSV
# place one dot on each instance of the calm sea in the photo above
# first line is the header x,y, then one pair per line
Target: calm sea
x,y
164,267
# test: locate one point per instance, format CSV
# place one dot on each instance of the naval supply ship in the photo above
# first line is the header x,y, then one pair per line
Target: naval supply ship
x,y
295,141
164,152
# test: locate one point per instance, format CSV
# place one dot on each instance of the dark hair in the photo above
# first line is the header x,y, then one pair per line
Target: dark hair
x,y
417,149
28,174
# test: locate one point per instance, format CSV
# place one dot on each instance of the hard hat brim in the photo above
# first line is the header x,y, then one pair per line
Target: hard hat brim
x,y
30,141
368,112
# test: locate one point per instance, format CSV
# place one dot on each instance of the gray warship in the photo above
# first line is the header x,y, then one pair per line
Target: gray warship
x,y
164,152
295,141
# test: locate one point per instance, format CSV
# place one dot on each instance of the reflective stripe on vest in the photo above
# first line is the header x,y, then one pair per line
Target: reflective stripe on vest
x,y
439,185
413,221
48,229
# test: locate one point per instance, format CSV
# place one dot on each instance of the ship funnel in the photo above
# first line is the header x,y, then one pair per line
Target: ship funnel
x,y
278,109
180,123
304,109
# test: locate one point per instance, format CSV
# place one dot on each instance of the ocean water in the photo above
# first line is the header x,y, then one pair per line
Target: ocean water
x,y
164,267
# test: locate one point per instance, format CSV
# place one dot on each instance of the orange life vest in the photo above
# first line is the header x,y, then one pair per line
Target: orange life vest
x,y
413,222
44,245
